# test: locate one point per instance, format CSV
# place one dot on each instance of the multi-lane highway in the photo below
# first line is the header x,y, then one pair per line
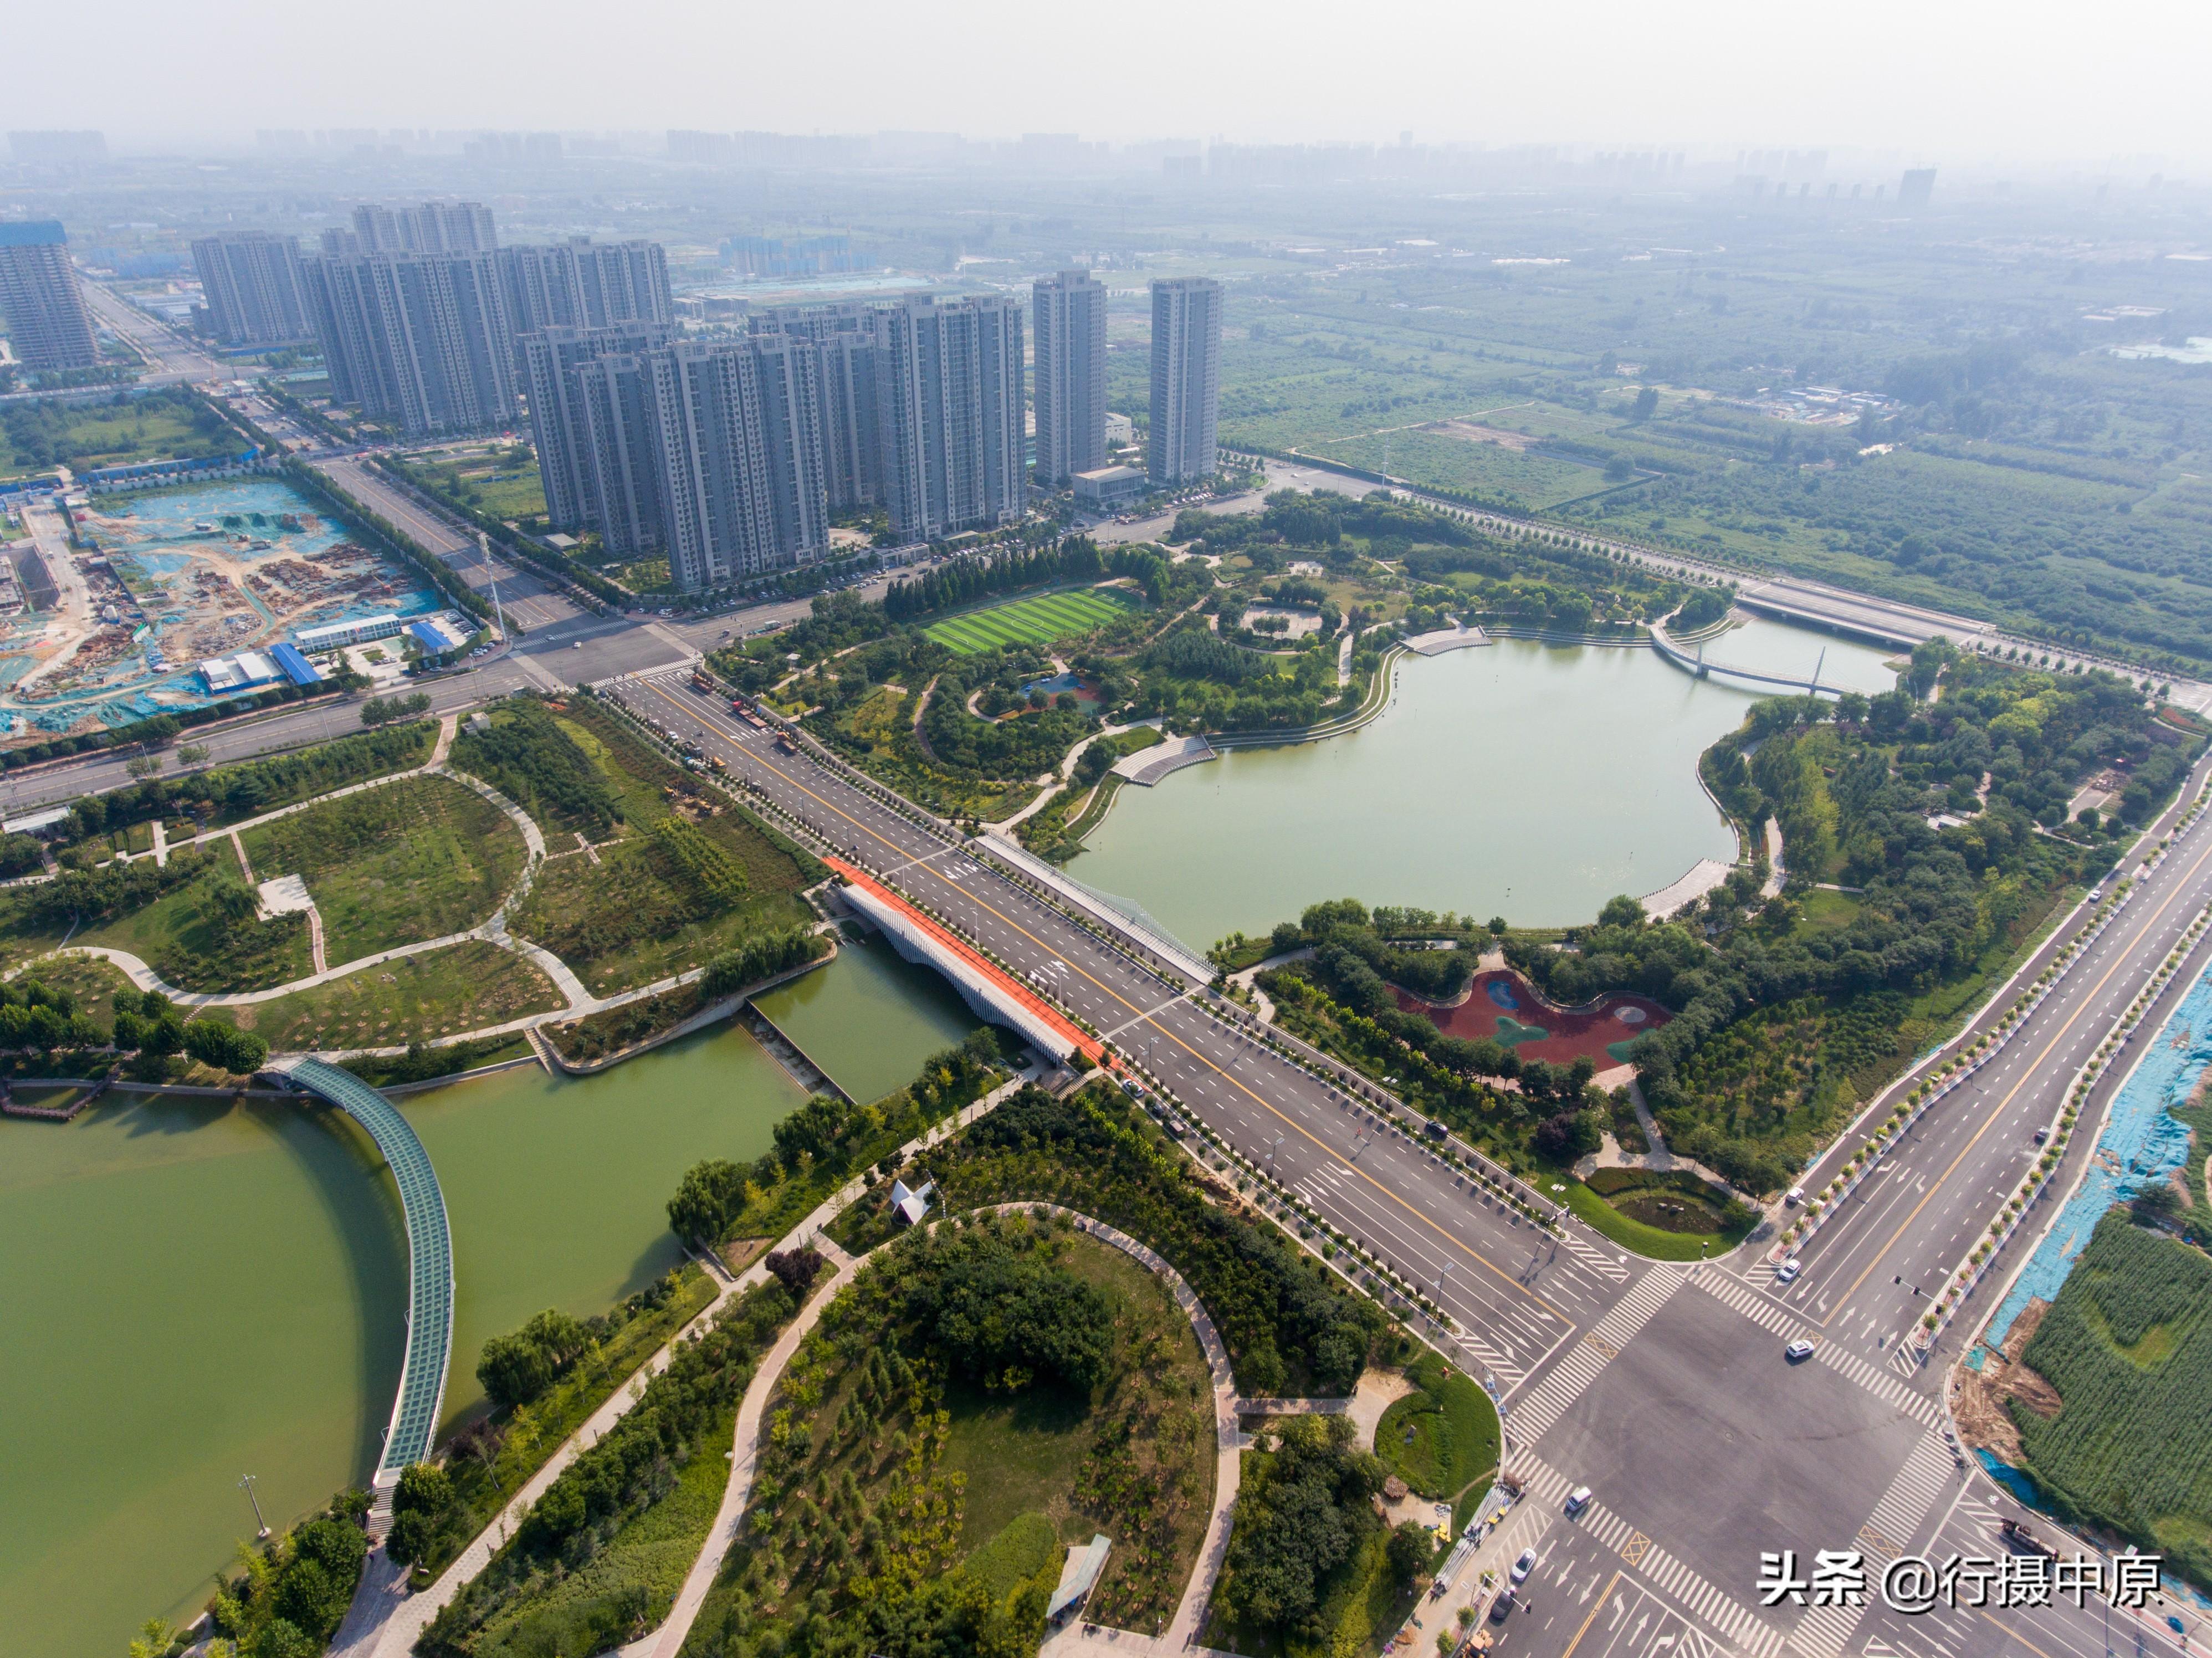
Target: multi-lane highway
x,y
1665,1388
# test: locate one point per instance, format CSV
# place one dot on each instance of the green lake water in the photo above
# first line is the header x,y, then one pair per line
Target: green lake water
x,y
1516,778
195,1291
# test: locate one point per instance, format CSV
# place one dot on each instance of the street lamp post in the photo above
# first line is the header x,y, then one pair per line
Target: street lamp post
x,y
245,1485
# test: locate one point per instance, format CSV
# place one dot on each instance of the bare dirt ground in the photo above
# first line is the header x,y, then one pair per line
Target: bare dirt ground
x,y
1984,1419
1471,433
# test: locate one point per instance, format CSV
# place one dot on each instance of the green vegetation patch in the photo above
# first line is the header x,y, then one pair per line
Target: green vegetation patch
x,y
1038,621
173,424
2128,1344
1442,1439
982,1394
201,933
528,756
1311,1570
471,985
1671,1216
694,876
414,859
1288,1326
598,1559
494,1455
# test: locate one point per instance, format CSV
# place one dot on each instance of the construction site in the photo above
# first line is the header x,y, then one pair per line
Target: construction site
x,y
126,595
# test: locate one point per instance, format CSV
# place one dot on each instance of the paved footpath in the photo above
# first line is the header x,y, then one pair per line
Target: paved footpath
x,y
1190,1613
384,1620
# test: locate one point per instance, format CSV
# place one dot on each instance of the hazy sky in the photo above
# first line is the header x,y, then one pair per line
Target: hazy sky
x,y
1940,80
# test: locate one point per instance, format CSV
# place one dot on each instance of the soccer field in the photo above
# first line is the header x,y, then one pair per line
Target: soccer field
x,y
1038,621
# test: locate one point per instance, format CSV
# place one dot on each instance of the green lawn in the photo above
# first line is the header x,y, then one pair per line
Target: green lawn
x,y
1442,1439
411,861
468,987
1654,1242
1038,620
182,938
639,913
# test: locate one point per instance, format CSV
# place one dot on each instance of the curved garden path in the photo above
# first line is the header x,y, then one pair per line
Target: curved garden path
x,y
1190,1613
384,1619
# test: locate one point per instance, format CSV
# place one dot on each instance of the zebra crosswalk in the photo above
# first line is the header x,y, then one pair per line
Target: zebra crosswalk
x,y
1746,1635
1606,1263
1600,1346
1824,1631
1890,1389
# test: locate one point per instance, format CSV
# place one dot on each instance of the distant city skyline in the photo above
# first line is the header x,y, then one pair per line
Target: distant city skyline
x,y
1971,80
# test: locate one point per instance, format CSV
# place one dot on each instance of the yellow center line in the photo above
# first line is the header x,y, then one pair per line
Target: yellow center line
x,y
2015,1635
1322,1145
1990,1122
1598,1607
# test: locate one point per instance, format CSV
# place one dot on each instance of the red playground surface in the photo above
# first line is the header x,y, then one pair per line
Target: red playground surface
x,y
1504,1007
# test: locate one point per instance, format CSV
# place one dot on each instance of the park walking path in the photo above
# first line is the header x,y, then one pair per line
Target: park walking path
x,y
384,1620
1190,1613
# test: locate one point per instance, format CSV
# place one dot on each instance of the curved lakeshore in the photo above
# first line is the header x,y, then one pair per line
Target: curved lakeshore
x,y
1521,778
138,1227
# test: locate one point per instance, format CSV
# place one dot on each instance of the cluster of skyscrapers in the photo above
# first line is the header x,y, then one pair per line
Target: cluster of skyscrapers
x,y
729,455
420,312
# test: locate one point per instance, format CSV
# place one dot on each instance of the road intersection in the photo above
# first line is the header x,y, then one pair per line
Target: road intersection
x,y
1664,1388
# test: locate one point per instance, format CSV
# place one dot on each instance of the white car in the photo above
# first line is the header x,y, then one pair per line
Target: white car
x,y
1788,1270
1524,1565
1794,1196
1578,1499
1798,1349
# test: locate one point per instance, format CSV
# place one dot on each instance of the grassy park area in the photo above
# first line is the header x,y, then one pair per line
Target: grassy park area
x,y
1442,1438
692,876
193,938
467,986
1038,620
977,1399
412,860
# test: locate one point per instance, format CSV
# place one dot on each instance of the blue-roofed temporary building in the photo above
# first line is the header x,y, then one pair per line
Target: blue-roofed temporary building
x,y
429,638
297,667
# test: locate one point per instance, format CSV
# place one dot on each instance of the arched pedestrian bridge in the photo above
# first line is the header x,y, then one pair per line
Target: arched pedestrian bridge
x,y
1668,647
430,1261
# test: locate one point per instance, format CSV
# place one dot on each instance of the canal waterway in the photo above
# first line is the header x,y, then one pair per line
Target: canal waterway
x,y
1528,781
194,1290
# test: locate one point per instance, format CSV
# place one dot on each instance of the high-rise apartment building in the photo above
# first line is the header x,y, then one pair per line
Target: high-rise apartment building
x,y
1068,314
852,440
433,228
580,283
255,290
595,455
43,304
421,340
711,451
1185,379
949,408
740,426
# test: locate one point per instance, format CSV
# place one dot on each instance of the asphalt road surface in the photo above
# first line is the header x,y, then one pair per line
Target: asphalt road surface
x,y
1663,1388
